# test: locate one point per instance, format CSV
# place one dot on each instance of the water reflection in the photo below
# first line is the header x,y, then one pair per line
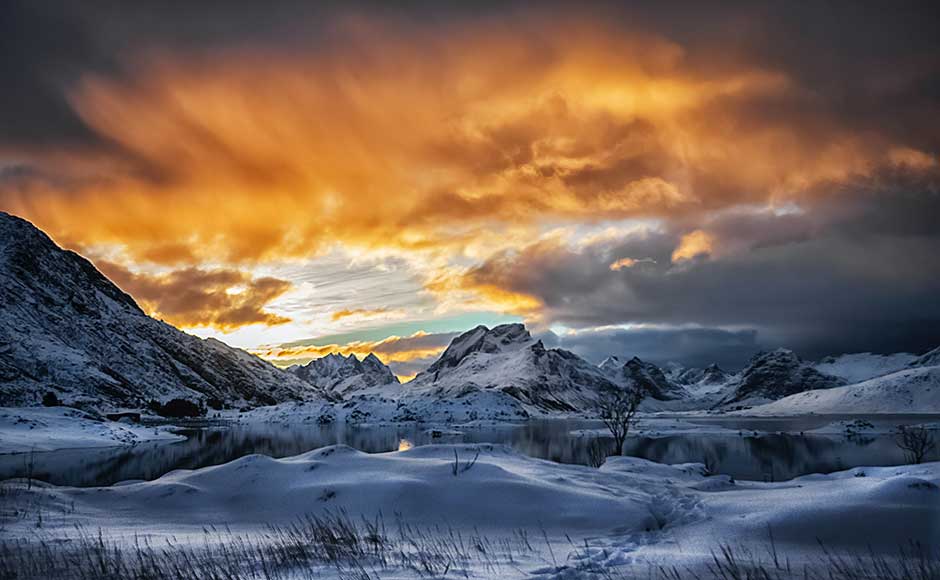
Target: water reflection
x,y
761,457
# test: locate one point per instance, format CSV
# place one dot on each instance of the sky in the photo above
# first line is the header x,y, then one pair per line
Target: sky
x,y
684,181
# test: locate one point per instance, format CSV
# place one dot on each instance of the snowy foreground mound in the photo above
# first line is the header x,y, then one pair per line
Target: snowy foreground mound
x,y
630,512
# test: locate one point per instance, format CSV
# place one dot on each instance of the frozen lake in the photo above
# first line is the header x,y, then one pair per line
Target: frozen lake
x,y
754,449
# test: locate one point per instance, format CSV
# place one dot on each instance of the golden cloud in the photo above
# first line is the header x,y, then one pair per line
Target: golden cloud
x,y
692,244
422,142
189,298
472,289
622,263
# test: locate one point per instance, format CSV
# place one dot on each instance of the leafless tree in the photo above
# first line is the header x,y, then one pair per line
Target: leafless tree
x,y
617,408
916,442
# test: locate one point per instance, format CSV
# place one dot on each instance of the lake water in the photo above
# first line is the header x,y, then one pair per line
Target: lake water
x,y
782,453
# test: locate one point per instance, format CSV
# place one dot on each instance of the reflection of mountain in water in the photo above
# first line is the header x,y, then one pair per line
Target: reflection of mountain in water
x,y
776,456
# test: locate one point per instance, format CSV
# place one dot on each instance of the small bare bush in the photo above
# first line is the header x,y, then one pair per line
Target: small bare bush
x,y
457,468
916,442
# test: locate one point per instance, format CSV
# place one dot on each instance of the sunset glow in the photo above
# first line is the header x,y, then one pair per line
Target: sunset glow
x,y
375,172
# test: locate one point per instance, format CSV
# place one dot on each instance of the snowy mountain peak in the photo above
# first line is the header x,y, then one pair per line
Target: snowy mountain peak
x,y
506,359
502,338
651,379
611,365
708,376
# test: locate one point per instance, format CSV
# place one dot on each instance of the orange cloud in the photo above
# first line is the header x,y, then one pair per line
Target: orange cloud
x,y
622,263
693,244
472,289
422,142
223,299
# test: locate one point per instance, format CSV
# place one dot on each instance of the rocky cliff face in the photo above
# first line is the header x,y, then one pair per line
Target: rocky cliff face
x,y
777,374
651,379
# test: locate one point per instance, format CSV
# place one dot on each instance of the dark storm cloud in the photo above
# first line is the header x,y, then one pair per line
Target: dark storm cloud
x,y
688,346
859,274
43,49
869,64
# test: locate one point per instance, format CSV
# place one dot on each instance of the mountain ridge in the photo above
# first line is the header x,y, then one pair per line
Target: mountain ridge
x,y
66,329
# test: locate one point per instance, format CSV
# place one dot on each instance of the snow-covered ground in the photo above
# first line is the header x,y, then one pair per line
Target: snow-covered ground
x,y
629,513
47,428
858,367
914,390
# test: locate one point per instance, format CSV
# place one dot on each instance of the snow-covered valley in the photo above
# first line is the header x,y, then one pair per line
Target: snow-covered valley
x,y
626,516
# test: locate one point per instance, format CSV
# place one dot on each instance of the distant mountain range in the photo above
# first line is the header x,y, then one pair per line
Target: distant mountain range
x,y
507,361
66,329
345,375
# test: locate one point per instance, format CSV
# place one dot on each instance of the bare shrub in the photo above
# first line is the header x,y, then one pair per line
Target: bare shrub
x,y
598,452
457,468
916,442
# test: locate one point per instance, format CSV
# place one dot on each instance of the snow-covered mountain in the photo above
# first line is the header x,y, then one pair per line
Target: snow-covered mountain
x,y
651,379
704,383
646,376
912,390
611,366
929,359
857,367
708,376
66,329
345,375
508,360
773,375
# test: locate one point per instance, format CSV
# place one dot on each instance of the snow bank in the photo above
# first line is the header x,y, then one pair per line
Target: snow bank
x,y
50,428
494,489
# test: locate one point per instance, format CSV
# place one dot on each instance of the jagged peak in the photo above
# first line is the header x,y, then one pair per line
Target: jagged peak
x,y
335,370
485,340
777,355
